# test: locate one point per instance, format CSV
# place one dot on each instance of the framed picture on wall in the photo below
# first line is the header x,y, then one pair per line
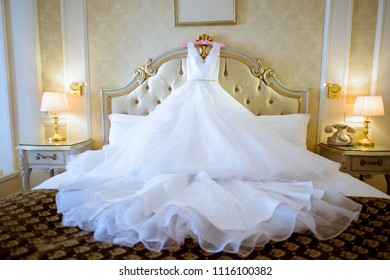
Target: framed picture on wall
x,y
204,12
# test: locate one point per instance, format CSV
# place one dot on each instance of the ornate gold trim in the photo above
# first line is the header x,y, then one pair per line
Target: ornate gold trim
x,y
204,50
145,72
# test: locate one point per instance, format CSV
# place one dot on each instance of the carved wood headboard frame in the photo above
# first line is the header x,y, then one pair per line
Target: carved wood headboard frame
x,y
247,79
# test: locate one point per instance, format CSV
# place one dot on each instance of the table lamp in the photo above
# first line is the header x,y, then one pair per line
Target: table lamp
x,y
55,102
368,106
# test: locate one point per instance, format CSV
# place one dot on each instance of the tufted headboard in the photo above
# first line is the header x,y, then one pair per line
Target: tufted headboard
x,y
249,81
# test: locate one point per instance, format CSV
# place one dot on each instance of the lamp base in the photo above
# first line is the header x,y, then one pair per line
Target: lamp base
x,y
57,137
365,142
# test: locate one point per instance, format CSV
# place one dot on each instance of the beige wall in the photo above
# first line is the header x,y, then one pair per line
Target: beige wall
x,y
50,41
122,34
362,45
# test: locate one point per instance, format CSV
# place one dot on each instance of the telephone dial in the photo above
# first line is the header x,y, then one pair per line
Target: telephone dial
x,y
340,138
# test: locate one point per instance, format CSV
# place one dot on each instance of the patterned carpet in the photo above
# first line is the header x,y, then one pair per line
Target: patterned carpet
x,y
30,228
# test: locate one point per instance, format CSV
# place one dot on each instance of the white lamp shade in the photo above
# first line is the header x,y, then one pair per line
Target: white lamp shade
x,y
368,106
54,102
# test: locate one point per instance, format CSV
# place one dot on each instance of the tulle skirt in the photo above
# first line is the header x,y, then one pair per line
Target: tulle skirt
x,y
201,166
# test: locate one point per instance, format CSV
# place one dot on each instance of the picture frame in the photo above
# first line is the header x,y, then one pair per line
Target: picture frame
x,y
204,12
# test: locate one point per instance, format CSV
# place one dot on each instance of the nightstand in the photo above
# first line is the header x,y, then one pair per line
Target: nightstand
x,y
48,155
360,161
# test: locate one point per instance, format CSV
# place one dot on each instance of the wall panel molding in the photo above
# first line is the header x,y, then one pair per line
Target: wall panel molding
x,y
24,68
377,47
75,50
7,155
335,58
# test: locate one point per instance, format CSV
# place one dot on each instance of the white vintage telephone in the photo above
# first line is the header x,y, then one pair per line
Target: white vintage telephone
x,y
339,138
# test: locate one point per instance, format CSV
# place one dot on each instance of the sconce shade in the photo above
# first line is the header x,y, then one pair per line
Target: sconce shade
x,y
368,106
54,102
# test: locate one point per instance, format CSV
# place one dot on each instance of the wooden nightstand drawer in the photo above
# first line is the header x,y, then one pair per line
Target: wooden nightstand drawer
x,y
46,157
370,163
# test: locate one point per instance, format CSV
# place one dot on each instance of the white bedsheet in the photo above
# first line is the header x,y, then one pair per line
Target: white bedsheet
x,y
350,186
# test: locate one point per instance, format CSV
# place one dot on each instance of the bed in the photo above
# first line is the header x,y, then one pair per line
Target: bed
x,y
30,227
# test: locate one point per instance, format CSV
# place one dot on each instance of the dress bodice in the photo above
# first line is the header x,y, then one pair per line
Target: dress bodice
x,y
202,69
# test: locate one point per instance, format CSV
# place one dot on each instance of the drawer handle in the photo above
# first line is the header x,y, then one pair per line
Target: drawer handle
x,y
38,156
363,162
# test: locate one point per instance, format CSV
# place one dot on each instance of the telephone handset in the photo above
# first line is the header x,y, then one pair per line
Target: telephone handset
x,y
340,138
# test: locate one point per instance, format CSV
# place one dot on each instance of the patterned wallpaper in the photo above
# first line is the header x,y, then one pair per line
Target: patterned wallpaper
x,y
361,48
286,35
50,40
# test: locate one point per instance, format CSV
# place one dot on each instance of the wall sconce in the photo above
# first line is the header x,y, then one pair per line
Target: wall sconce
x,y
77,88
334,91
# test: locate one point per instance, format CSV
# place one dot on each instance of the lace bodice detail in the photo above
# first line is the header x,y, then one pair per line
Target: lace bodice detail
x,y
203,69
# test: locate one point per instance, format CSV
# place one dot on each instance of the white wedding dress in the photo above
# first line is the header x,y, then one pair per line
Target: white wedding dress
x,y
200,166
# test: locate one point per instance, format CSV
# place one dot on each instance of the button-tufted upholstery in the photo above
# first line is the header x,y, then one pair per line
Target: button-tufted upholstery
x,y
245,78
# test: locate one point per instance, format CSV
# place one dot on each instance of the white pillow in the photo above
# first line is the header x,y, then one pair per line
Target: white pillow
x,y
292,127
119,124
